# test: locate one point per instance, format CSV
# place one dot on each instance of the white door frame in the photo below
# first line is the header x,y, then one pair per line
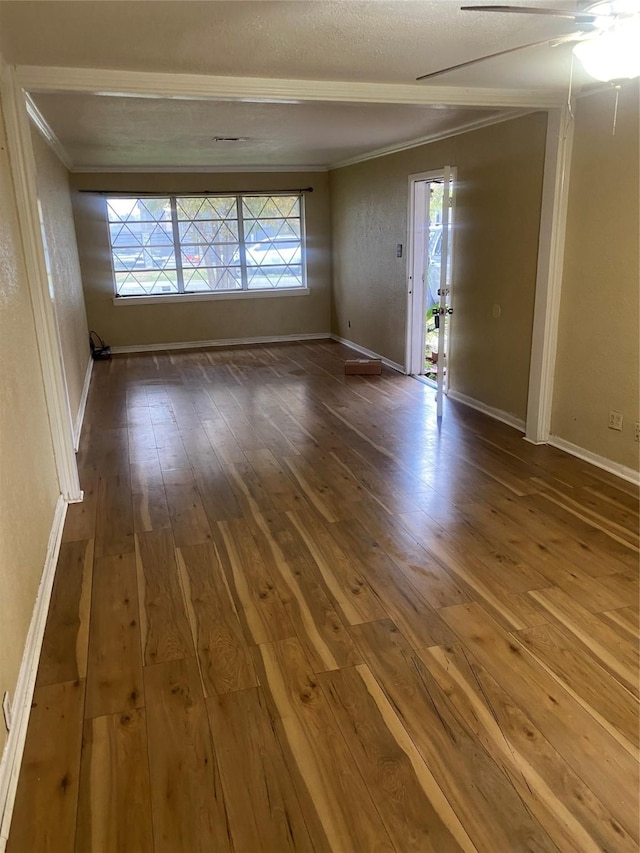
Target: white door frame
x,y
23,169
415,271
446,268
553,221
416,288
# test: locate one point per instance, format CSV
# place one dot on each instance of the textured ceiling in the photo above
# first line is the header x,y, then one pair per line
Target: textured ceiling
x,y
375,41
130,132
372,41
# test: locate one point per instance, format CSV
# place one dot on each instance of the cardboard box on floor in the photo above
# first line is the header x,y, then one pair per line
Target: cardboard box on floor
x,y
363,366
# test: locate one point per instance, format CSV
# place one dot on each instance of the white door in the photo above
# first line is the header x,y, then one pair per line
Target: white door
x,y
429,277
444,292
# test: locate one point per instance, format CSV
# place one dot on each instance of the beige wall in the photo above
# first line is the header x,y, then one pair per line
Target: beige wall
x,y
28,481
597,365
498,213
55,199
199,321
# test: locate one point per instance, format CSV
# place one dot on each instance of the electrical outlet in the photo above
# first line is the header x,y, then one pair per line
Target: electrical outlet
x,y
6,709
636,428
615,420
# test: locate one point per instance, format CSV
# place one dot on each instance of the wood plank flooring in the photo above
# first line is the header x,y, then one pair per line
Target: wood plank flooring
x,y
294,613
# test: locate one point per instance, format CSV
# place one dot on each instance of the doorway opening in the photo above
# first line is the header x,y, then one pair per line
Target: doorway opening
x,y
430,242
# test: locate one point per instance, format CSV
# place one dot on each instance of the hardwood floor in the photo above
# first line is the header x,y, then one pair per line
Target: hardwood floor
x,y
294,614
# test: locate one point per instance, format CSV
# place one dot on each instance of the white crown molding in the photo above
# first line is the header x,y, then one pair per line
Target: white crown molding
x,y
45,129
370,353
193,170
104,81
609,465
433,137
22,697
586,92
479,406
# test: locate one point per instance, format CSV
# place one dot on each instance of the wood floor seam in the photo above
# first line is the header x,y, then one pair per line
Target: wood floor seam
x,y
296,612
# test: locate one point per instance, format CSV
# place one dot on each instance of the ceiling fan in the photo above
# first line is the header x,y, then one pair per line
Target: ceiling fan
x,y
607,37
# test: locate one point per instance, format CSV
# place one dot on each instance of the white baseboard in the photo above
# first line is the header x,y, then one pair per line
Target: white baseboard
x,y
370,353
23,695
228,342
498,414
599,461
77,427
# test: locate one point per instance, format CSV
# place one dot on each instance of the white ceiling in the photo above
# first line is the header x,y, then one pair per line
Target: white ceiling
x,y
371,41
354,42
136,132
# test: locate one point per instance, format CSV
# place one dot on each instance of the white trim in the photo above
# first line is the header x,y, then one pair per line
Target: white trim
x,y
497,414
23,170
77,428
413,353
546,312
368,352
594,459
47,132
192,170
129,301
414,294
452,276
121,83
23,695
433,137
597,89
445,257
230,342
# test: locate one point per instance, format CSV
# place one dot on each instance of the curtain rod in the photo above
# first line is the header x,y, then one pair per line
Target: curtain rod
x,y
134,194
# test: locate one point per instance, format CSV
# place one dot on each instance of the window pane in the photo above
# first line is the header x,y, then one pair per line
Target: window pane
x,y
211,256
127,259
207,208
212,278
209,231
270,206
141,234
272,229
275,277
136,209
160,257
146,283
274,254
160,235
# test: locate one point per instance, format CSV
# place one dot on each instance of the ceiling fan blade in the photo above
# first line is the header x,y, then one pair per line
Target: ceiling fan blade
x,y
549,41
580,17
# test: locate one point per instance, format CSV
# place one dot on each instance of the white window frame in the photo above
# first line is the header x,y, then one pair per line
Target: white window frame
x,y
197,296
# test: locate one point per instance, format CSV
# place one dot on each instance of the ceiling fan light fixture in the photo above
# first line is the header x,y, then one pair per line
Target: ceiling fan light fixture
x,y
614,54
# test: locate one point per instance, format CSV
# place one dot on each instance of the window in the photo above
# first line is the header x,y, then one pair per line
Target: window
x,y
198,244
